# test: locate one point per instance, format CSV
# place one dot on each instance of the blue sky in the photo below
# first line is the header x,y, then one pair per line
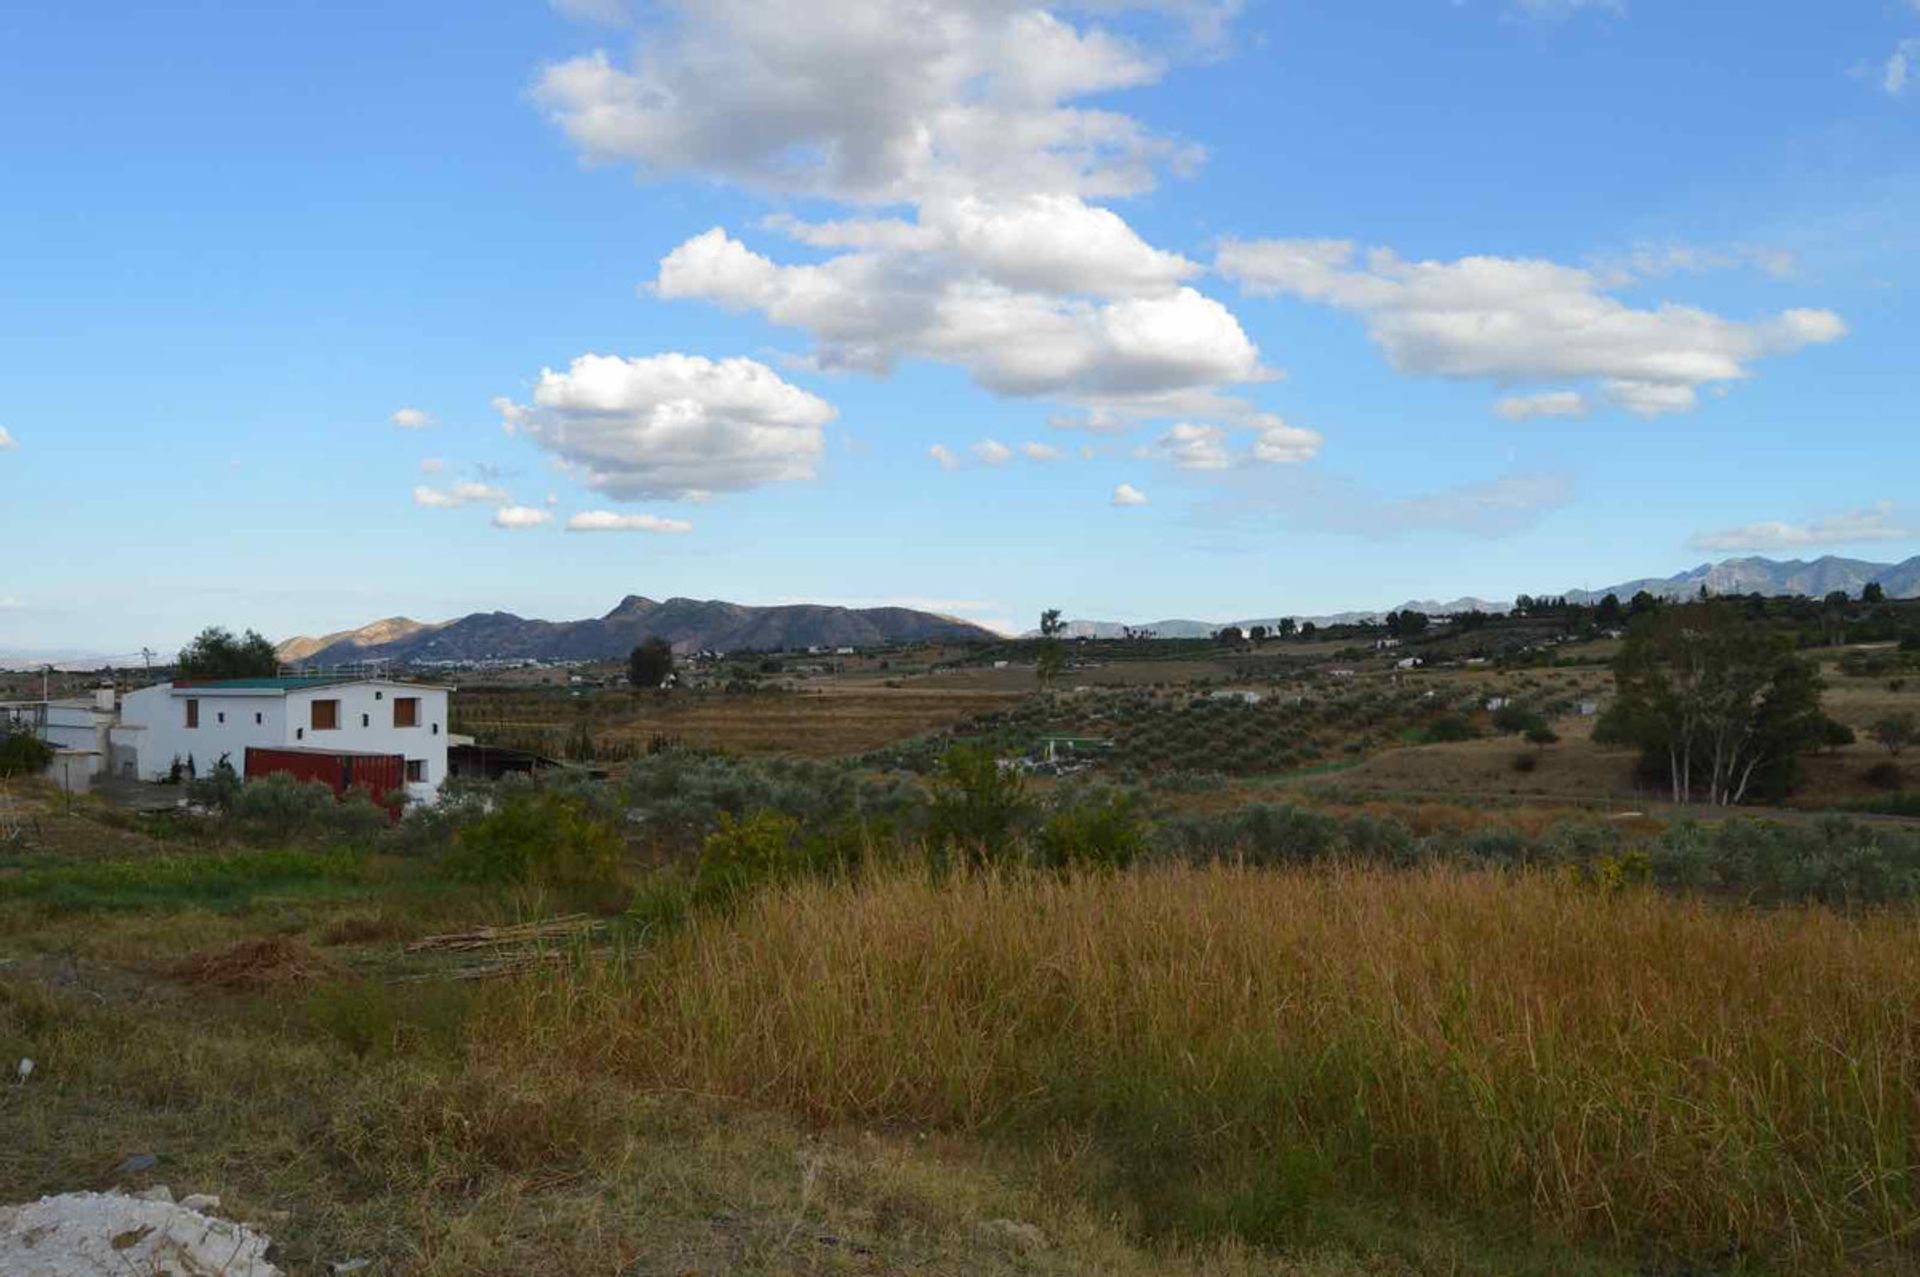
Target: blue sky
x,y
1295,307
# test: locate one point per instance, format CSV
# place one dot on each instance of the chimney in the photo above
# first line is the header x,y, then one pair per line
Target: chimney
x,y
103,699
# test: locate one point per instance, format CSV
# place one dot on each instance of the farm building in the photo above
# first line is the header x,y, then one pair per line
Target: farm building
x,y
204,721
76,729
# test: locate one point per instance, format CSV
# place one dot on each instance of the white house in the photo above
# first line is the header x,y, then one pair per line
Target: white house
x,y
207,720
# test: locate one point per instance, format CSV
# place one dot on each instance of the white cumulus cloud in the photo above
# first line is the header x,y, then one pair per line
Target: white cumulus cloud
x,y
671,425
946,456
1877,523
432,465
1281,443
7,441
1518,320
1194,447
867,310
609,521
992,452
1126,494
1040,452
521,516
460,494
411,419
882,102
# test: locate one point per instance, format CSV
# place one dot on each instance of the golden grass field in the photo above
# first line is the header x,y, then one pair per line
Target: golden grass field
x,y
1264,1052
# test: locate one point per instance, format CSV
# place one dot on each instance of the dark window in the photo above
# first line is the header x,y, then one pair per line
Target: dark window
x,y
366,720
379,696
220,717
436,729
257,718
193,711
299,733
417,769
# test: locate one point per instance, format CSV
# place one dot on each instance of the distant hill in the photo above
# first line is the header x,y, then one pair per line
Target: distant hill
x,y
1814,579
392,629
688,624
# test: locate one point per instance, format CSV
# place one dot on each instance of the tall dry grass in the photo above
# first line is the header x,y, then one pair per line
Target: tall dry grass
x,y
1244,1047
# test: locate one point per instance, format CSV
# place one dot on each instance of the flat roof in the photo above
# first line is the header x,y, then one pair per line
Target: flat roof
x,y
291,683
279,683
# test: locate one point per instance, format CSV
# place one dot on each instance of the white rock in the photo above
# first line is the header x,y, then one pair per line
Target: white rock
x,y
111,1235
158,1193
202,1202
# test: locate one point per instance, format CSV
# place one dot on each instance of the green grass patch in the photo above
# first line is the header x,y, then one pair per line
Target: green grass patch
x,y
204,881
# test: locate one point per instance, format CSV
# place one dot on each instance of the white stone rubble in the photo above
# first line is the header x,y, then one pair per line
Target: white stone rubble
x,y
111,1235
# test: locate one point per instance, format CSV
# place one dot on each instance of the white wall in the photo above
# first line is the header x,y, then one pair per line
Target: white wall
x,y
162,711
373,701
78,725
227,725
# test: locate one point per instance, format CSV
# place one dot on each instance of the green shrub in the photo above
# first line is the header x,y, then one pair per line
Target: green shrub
x,y
979,808
1448,729
217,789
745,854
22,754
1097,831
280,808
541,838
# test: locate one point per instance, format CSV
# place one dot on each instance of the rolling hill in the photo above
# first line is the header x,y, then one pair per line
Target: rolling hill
x,y
689,624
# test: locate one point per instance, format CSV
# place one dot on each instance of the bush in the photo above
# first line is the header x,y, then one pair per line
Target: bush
x,y
24,755
978,806
1101,831
744,855
1525,762
1835,862
541,838
678,797
1448,729
218,789
280,808
1886,775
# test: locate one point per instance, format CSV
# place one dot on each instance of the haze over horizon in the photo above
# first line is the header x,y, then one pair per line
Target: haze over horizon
x,y
1157,309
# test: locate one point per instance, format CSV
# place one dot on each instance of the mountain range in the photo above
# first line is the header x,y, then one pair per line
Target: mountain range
x,y
694,624
1815,578
689,624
